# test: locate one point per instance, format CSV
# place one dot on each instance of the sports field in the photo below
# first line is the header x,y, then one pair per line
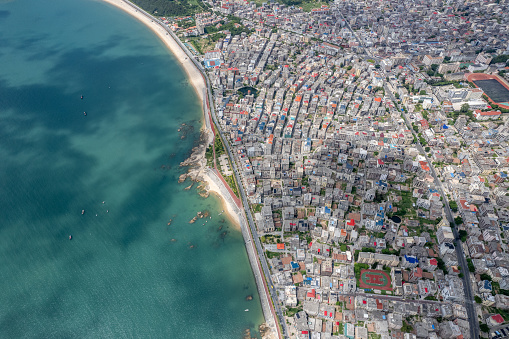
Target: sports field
x,y
375,279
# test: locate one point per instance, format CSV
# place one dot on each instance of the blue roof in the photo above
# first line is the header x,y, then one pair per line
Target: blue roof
x,y
411,259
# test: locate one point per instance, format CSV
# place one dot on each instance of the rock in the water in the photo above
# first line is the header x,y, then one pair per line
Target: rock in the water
x,y
204,194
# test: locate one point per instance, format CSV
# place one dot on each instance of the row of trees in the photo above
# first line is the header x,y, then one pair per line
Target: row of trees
x,y
168,7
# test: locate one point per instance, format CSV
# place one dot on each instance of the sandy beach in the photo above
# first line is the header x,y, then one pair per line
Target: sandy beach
x,y
227,206
197,162
212,186
199,86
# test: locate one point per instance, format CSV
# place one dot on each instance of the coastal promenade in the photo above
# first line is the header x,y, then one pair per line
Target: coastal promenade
x,y
256,256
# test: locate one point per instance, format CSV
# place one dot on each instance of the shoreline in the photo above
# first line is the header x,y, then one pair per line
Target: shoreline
x,y
193,74
197,159
199,172
228,209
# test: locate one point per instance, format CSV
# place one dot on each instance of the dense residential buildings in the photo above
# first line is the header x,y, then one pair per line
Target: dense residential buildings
x,y
376,172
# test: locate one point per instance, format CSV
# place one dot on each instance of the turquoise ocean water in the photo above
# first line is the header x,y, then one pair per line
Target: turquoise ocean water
x,y
120,276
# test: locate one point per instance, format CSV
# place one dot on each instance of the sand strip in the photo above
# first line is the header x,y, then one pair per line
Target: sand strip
x,y
214,186
196,79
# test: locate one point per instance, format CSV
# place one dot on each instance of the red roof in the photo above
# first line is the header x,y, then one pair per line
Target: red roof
x,y
497,318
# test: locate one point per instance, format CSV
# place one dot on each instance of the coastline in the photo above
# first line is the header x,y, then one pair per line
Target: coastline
x,y
214,187
228,210
193,74
197,160
199,172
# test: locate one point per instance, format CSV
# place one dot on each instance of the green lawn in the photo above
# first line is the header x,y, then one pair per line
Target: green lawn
x,y
231,182
307,6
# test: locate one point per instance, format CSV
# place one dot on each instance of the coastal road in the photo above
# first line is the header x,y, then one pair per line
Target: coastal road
x,y
469,305
271,292
255,241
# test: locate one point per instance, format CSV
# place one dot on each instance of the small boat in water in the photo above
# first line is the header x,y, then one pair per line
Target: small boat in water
x,y
82,212
82,97
246,310
84,113
70,237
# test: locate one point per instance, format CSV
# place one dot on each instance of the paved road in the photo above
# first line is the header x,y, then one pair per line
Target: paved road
x,y
392,297
469,305
269,286
256,239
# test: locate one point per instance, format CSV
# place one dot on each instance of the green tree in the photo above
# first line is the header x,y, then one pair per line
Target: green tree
x,y
453,205
478,299
485,328
406,328
471,266
458,220
463,235
464,108
485,276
